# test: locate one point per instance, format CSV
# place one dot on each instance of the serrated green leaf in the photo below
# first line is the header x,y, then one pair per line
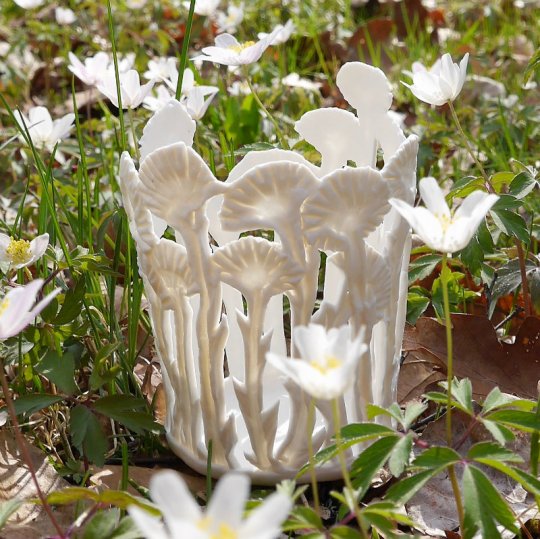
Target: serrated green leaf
x,y
484,506
511,223
495,399
465,186
406,488
436,457
462,393
422,267
501,434
500,180
127,529
30,404
87,434
60,370
416,306
518,419
303,518
492,451
121,408
526,480
353,434
413,410
344,532
401,455
370,461
522,184
393,411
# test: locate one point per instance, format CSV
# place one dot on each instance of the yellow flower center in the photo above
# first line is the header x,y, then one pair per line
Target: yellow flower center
x,y
445,220
3,306
224,531
241,46
326,364
18,251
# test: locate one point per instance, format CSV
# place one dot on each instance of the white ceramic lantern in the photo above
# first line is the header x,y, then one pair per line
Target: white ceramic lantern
x,y
220,299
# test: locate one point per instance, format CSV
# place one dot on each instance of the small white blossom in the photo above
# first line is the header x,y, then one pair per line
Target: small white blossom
x,y
205,8
20,253
228,51
436,225
161,68
197,101
44,131
440,84
328,360
230,21
93,70
294,80
183,518
64,15
281,33
132,92
159,97
17,308
29,4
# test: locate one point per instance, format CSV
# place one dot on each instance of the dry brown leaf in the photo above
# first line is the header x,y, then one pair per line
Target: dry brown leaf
x,y
30,521
478,353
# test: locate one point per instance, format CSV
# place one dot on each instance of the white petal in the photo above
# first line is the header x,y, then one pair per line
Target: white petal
x,y
225,41
433,197
229,499
150,526
265,521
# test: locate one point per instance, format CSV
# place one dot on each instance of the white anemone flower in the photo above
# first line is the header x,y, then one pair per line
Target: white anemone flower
x,y
93,70
159,97
44,131
29,4
328,362
230,21
198,100
130,88
295,81
18,309
64,15
436,225
281,33
205,8
20,253
223,518
161,68
441,83
228,51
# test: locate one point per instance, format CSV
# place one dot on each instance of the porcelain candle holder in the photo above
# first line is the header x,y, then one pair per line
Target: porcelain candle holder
x,y
220,299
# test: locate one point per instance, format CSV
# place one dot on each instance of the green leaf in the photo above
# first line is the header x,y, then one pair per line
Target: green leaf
x,y
495,399
73,304
490,450
416,306
370,461
413,410
484,506
526,480
87,434
101,525
344,532
436,457
7,508
462,393
472,255
401,455
519,419
120,408
506,202
511,223
500,433
533,64
59,370
422,267
30,404
303,518
405,489
353,434
522,184
106,351
501,179
465,186
127,529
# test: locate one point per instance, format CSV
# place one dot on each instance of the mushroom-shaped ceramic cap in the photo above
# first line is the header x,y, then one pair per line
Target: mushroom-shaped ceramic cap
x,y
255,265
168,125
365,88
267,196
334,133
400,170
170,273
349,204
177,182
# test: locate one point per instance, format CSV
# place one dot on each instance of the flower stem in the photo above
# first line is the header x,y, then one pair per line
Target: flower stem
x,y
465,138
344,471
491,189
135,141
313,475
445,271
24,449
184,53
279,132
